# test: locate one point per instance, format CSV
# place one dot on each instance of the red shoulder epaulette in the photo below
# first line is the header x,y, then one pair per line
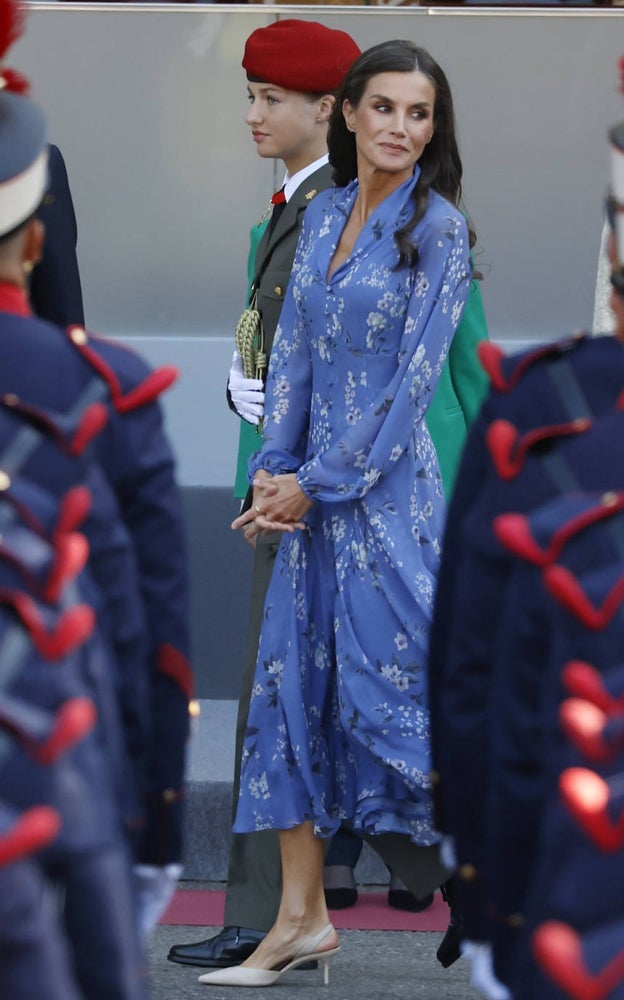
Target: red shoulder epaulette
x,y
513,531
492,358
582,680
146,392
509,448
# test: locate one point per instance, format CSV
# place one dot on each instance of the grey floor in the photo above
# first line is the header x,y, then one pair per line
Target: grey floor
x,y
372,965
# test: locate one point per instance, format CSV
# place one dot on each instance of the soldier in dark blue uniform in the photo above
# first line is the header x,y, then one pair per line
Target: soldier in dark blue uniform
x,y
540,864
55,288
537,438
59,729
471,586
52,669
33,950
76,368
52,746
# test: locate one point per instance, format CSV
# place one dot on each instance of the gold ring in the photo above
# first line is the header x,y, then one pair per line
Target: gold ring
x,y
257,508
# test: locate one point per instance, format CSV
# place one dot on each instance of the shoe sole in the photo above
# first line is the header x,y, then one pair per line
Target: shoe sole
x,y
304,967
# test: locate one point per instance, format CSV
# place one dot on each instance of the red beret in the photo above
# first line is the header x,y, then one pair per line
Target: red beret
x,y
300,55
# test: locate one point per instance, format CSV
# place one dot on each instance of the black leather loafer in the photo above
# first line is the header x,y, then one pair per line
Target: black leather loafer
x,y
231,946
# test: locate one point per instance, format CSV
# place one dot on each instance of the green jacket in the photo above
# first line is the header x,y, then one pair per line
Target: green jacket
x,y
460,390
455,403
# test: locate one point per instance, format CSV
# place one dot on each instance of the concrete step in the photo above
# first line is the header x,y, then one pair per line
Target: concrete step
x,y
209,777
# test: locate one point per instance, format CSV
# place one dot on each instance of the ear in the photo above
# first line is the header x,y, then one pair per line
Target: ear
x,y
325,107
348,113
34,238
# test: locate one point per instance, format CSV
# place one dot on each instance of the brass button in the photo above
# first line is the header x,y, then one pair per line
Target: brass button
x,y
278,290
468,872
5,480
515,920
169,795
78,335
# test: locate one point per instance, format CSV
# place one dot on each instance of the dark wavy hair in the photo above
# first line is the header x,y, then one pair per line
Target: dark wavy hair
x,y
440,163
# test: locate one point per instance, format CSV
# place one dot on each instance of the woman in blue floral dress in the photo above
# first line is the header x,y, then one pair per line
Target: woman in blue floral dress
x,y
338,725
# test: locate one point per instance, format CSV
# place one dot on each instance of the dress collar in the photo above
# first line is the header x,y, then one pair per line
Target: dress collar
x,y
396,208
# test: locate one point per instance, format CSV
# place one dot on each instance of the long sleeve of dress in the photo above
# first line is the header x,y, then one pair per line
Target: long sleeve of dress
x,y
395,326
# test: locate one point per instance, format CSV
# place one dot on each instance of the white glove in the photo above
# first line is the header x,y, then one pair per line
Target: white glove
x,y
447,852
482,976
247,393
154,887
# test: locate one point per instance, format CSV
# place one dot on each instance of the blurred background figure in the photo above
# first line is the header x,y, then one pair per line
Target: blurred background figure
x,y
146,627
529,587
55,289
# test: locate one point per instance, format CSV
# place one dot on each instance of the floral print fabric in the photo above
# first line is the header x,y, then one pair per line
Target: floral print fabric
x,y
338,724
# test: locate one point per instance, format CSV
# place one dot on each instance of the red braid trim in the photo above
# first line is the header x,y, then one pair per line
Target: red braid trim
x,y
566,589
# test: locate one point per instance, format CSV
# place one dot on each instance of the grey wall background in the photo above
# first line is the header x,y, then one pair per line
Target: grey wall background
x,y
147,104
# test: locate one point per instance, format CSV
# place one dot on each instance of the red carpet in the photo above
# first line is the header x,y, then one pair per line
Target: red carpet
x,y
204,908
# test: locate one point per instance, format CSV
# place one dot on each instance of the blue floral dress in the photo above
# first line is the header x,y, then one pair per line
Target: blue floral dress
x,y
338,724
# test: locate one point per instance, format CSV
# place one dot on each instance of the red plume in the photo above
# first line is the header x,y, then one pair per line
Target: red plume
x,y
11,24
11,27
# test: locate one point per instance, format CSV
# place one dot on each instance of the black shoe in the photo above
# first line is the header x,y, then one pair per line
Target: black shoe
x,y
400,898
449,950
230,947
339,887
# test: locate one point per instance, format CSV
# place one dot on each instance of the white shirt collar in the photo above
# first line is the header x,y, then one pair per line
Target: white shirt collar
x,y
292,183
